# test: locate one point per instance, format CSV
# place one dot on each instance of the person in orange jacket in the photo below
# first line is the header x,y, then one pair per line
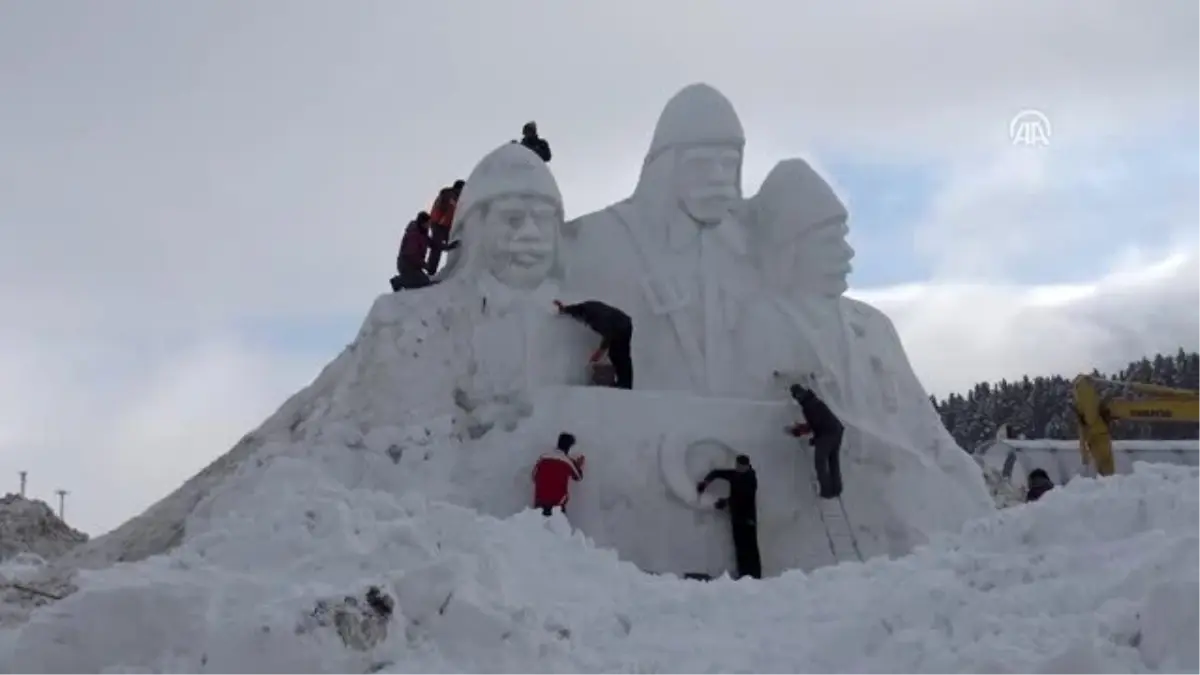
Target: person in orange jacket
x,y
441,217
552,476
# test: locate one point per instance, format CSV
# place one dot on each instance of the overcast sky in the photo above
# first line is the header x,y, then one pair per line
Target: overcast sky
x,y
200,200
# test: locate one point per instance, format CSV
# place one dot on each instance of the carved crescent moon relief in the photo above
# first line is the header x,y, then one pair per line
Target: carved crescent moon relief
x,y
684,463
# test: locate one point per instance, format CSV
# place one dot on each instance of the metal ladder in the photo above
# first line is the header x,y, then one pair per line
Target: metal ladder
x,y
838,530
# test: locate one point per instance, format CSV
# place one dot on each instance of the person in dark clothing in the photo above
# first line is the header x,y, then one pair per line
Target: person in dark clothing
x,y
616,333
441,218
531,140
1039,484
743,513
410,262
827,432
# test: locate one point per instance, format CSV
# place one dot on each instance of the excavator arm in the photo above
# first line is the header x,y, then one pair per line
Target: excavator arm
x,y
1095,414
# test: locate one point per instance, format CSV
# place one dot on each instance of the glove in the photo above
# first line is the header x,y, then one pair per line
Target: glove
x,y
559,305
454,244
700,487
721,504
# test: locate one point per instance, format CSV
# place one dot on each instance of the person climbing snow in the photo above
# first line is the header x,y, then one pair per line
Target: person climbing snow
x,y
441,217
552,476
827,431
414,247
616,332
743,512
1039,484
531,140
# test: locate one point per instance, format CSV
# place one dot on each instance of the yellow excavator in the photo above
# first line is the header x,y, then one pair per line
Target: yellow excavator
x,y
1144,403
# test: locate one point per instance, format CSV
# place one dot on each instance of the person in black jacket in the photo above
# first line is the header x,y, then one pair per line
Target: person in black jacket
x,y
531,140
827,431
616,332
1039,484
743,513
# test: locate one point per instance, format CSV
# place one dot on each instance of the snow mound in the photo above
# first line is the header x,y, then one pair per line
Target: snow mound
x,y
1098,576
31,526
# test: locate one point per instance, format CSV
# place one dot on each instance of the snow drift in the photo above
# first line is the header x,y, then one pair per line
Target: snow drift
x,y
1099,576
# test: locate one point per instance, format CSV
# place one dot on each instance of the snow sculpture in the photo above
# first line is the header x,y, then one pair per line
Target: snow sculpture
x,y
864,372
673,255
452,391
800,228
503,285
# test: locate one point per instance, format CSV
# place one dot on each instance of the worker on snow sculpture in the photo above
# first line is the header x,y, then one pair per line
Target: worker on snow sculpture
x,y
552,476
827,431
1039,484
414,247
531,140
441,216
743,512
799,228
616,333
674,254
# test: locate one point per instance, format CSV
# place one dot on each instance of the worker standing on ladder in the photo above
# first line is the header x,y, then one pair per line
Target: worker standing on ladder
x,y
743,513
827,432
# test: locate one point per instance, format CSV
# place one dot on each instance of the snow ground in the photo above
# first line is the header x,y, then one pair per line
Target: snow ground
x,y
1099,576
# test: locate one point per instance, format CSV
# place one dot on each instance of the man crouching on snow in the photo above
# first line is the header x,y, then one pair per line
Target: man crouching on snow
x,y
552,476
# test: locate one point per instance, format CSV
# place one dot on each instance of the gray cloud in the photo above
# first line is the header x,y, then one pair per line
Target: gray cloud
x,y
960,334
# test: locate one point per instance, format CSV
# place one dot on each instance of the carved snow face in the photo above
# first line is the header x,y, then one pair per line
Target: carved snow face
x,y
706,180
520,239
820,258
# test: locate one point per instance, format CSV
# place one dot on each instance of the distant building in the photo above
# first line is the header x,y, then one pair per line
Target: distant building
x,y
1014,458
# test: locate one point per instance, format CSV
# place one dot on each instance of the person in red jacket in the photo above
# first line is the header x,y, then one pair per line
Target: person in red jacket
x,y
441,217
552,476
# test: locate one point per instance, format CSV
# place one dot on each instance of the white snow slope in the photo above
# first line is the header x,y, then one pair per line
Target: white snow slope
x,y
1099,576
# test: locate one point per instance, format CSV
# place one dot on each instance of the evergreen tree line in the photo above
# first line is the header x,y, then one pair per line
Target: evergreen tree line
x,y
1041,407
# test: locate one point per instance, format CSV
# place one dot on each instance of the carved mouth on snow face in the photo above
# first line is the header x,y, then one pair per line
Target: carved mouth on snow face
x,y
528,256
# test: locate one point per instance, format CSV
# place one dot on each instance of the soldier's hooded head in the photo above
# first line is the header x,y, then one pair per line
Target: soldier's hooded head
x,y
509,219
695,156
800,227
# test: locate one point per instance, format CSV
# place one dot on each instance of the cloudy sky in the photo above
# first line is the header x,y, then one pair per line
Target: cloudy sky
x,y
199,200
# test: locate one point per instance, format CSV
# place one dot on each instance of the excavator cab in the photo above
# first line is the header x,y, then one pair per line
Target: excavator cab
x,y
1095,414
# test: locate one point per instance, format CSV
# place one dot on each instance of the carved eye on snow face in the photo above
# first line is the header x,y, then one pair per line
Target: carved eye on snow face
x,y
515,212
709,165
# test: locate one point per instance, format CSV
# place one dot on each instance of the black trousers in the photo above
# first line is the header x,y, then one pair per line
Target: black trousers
x,y
411,276
621,357
439,236
828,465
745,548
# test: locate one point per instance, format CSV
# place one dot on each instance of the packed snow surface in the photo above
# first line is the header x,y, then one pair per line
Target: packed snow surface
x,y
1099,576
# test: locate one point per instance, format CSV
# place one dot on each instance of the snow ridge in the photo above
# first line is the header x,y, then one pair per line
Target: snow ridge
x,y
31,526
